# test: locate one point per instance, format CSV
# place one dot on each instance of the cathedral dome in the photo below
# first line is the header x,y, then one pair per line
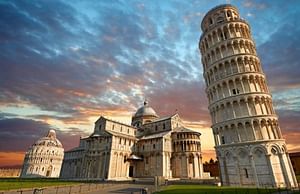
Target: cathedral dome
x,y
50,140
145,110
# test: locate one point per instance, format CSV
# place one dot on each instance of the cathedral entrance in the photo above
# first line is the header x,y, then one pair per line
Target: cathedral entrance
x,y
130,171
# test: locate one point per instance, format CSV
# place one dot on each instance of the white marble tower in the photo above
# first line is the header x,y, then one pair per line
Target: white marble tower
x,y
248,139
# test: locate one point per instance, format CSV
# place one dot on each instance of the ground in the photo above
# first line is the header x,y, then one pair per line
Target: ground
x,y
204,189
17,183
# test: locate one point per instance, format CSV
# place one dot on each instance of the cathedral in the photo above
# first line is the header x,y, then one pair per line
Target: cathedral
x,y
150,146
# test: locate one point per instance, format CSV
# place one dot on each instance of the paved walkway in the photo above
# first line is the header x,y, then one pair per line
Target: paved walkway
x,y
123,188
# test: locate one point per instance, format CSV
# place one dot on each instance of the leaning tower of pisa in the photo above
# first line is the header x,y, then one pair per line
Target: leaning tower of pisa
x,y
249,144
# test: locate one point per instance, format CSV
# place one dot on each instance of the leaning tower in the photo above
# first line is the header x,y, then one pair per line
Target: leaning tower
x,y
248,140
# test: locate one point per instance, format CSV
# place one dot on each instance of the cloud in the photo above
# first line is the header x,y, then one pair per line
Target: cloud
x,y
280,55
26,131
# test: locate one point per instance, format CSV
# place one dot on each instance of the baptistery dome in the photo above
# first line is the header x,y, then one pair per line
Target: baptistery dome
x,y
44,158
49,140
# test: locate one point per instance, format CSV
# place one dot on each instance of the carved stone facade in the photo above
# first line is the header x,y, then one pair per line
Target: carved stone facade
x,y
249,144
151,146
44,158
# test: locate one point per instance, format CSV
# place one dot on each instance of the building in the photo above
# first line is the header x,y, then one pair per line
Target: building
x,y
295,159
249,144
44,158
150,146
9,172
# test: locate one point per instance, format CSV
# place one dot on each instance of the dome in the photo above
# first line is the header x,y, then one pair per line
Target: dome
x,y
49,140
145,110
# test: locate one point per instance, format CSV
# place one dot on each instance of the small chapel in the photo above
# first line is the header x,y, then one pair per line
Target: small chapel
x,y
150,146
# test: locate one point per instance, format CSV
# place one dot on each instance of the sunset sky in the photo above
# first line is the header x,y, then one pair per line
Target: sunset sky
x,y
63,64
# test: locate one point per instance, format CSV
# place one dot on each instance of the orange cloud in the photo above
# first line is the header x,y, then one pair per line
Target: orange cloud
x,y
13,159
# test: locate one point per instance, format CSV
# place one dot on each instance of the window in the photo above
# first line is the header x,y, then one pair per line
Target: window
x,y
121,129
223,139
146,160
228,13
128,130
143,147
120,140
99,127
155,127
235,91
246,172
113,127
210,21
164,126
125,142
153,146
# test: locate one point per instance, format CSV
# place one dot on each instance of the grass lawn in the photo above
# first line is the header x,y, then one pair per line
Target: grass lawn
x,y
17,183
205,189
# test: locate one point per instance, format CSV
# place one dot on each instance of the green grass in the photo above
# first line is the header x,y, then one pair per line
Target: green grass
x,y
17,183
204,189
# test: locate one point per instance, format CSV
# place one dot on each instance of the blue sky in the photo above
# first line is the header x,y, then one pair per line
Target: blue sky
x,y
65,63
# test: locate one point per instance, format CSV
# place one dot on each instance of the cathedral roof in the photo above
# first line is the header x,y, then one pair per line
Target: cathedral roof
x,y
145,110
155,135
49,140
184,130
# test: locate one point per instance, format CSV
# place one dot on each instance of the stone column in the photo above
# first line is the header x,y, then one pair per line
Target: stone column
x,y
284,171
272,176
254,170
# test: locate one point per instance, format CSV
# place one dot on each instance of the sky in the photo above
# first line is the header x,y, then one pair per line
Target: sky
x,y
63,64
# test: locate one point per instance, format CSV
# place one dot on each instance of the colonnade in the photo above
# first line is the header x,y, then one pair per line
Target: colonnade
x,y
241,106
235,85
190,146
231,66
227,49
247,130
239,29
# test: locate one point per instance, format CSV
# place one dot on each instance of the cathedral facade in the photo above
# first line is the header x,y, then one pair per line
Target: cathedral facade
x,y
249,144
150,146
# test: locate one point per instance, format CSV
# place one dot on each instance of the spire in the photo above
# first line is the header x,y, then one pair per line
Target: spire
x,y
146,102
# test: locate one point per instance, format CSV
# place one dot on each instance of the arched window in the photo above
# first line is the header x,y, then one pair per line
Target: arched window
x,y
246,173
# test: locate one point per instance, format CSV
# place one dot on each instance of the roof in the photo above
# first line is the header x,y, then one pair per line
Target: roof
x,y
184,130
161,119
145,110
49,140
117,122
155,135
134,157
120,134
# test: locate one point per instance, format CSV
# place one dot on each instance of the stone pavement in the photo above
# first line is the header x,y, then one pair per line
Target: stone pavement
x,y
124,188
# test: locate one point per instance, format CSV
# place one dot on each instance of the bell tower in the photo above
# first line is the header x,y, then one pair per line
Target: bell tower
x,y
249,144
